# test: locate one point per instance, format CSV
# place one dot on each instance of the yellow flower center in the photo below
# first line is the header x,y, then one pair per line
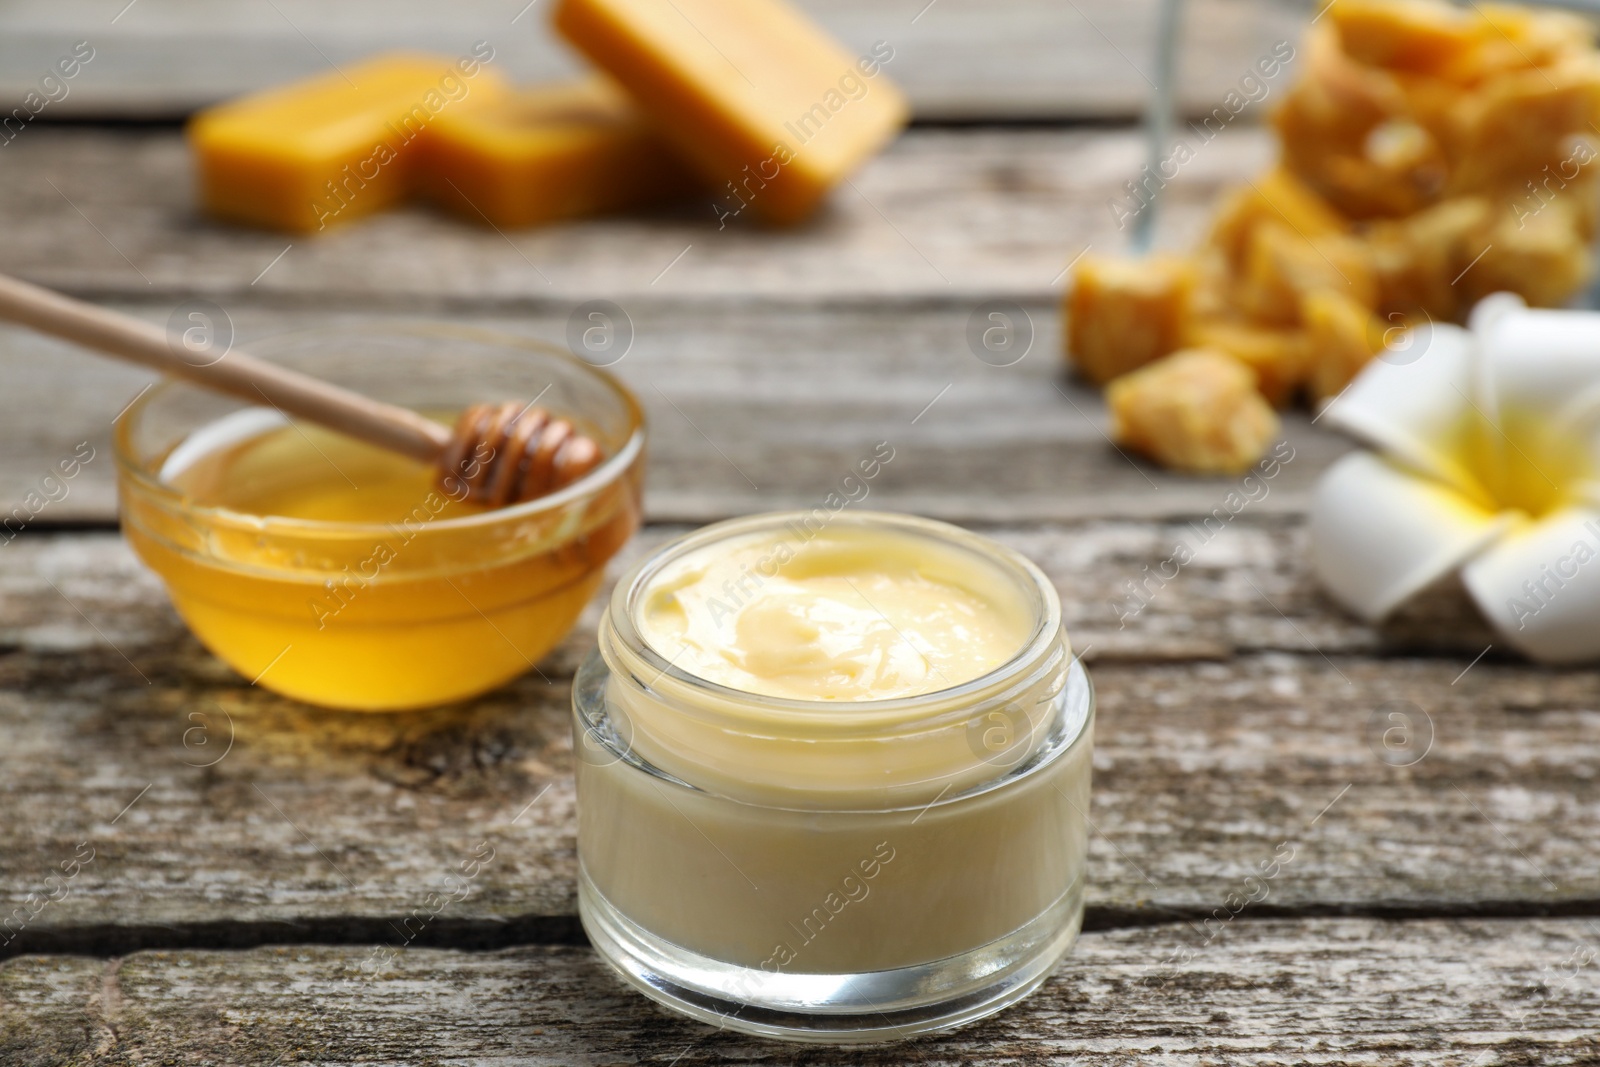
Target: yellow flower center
x,y
1521,461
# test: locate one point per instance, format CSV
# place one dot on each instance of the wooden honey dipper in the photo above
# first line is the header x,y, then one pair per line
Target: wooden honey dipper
x,y
503,452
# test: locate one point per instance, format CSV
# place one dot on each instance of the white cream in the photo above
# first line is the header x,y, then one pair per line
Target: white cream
x,y
853,614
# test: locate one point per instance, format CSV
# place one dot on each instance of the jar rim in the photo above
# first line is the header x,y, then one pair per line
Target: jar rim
x,y
839,715
610,470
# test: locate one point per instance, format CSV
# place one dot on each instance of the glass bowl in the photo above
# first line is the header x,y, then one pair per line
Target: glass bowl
x,y
386,616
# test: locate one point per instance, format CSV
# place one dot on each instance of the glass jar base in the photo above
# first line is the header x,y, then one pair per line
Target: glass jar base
x,y
839,1009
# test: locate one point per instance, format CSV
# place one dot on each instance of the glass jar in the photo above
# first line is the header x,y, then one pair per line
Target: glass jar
x,y
831,871
369,616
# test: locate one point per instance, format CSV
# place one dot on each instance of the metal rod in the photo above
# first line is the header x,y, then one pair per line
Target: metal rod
x,y
1159,115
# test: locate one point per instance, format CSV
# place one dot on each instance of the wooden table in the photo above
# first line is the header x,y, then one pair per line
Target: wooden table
x,y
255,861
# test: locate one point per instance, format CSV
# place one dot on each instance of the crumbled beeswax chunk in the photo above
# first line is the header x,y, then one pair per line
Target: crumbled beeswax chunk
x,y
1328,124
772,111
1342,336
1415,259
1517,37
1195,410
1422,36
1282,267
1521,127
1277,197
1121,314
548,153
1542,258
1432,154
1279,358
332,148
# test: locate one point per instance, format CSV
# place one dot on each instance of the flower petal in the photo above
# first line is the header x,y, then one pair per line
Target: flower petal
x,y
1415,401
1538,358
1541,381
1541,586
1488,311
1380,533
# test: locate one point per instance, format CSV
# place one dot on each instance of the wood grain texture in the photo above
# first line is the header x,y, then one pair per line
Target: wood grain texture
x,y
1248,590
750,409
1484,993
769,363
328,827
1241,715
961,59
941,215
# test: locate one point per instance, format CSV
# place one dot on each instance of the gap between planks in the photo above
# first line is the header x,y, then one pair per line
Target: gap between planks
x,y
481,935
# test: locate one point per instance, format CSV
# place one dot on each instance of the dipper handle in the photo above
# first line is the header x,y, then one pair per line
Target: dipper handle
x,y
235,373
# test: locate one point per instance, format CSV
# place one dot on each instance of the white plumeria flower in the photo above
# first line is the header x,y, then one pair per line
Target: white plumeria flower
x,y
1485,460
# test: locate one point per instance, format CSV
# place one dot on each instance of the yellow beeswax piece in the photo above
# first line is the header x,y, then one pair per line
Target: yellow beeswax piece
x,y
1281,267
1542,257
1121,314
1343,335
1522,126
1332,118
771,110
1516,37
332,148
1280,358
1277,197
1195,410
1414,35
546,153
1416,260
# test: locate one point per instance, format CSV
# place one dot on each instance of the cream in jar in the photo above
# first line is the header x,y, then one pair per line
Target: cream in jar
x,y
861,614
833,777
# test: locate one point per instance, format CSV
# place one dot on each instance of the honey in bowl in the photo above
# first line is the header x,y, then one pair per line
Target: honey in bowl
x,y
342,575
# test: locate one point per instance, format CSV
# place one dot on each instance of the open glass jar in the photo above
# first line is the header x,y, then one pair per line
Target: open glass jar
x,y
433,604
832,871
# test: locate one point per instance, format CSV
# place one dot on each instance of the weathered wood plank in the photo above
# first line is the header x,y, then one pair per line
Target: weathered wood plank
x,y
324,826
762,381
942,215
750,409
1315,991
960,59
791,353
1248,590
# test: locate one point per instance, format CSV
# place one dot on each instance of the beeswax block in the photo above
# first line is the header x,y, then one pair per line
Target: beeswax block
x,y
1278,197
1343,335
1425,36
306,156
1280,358
1195,410
769,109
1416,260
1121,314
1516,37
1543,258
1282,267
546,153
